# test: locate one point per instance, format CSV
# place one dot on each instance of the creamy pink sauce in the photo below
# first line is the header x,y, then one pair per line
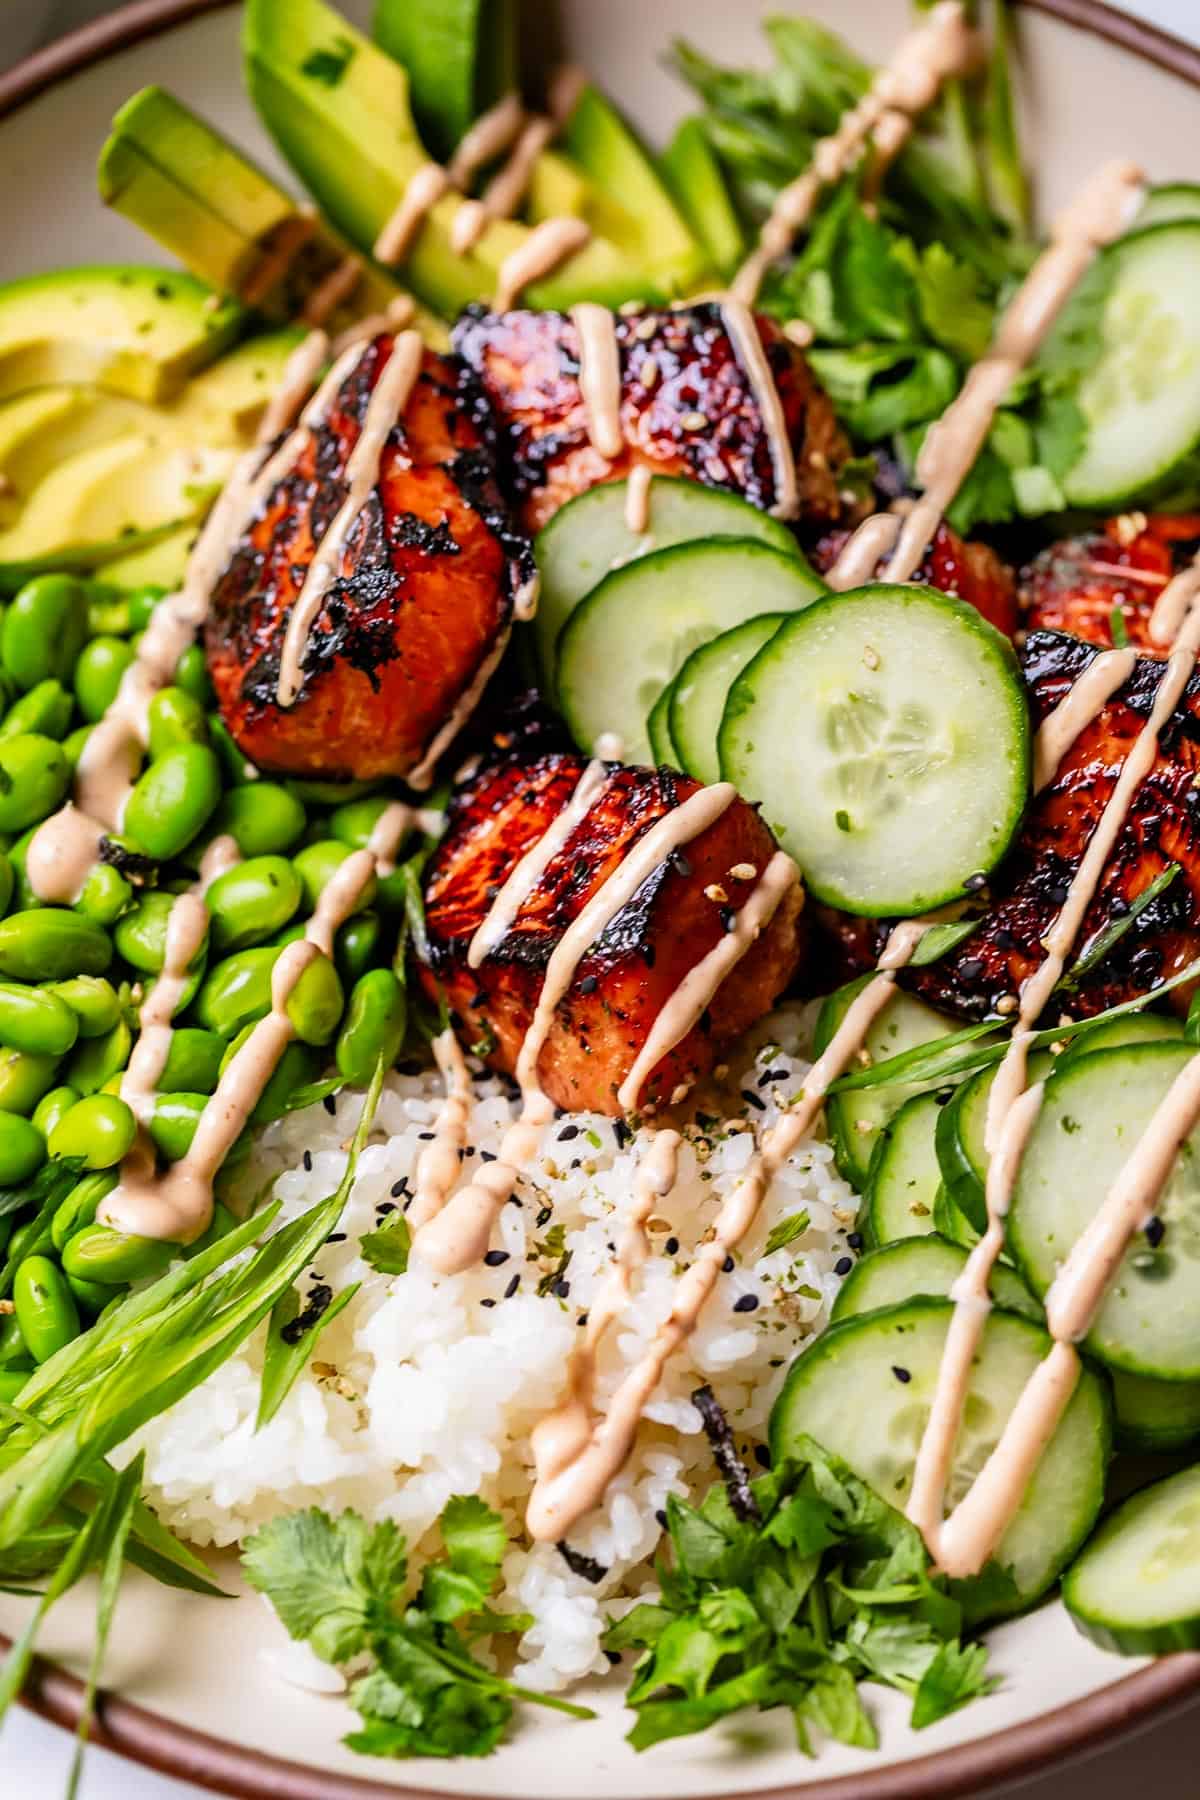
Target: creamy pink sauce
x,y
600,377
859,556
336,290
547,245
940,48
1084,700
739,323
637,499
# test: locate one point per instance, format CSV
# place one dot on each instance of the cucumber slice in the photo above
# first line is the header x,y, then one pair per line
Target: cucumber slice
x,y
1171,201
658,730
886,732
461,55
1093,1112
845,1392
961,1151
1136,1587
1153,1417
1141,398
855,1120
588,538
927,1265
699,691
902,1181
1130,1028
951,1222
633,632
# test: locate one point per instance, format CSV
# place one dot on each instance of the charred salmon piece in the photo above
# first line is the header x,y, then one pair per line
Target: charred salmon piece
x,y
688,408
1077,585
1162,827
622,982
424,595
956,565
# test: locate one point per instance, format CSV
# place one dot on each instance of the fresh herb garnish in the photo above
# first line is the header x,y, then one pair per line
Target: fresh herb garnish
x,y
786,1232
386,1250
830,1586
939,940
1104,941
338,1583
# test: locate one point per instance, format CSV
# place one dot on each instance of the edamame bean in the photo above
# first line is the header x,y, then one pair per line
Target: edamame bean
x,y
24,1079
316,866
173,800
7,881
191,674
141,935
73,745
35,1019
29,1239
44,630
105,894
193,1061
52,943
354,822
175,717
331,793
262,817
235,767
96,1061
34,776
92,1296
374,1026
79,1207
11,1383
98,1253
356,945
315,1004
251,901
98,674
45,709
22,1149
237,992
51,1107
45,1307
173,1123
99,1128
12,1343
93,1001
109,617
142,602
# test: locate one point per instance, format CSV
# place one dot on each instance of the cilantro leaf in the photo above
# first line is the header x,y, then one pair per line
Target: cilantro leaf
x,y
387,1249
328,1579
954,1676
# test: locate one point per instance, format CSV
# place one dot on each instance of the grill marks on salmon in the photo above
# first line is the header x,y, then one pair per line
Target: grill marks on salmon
x,y
424,594
625,978
1076,585
687,408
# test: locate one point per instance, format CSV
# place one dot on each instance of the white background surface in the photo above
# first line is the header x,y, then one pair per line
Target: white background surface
x,y
34,1758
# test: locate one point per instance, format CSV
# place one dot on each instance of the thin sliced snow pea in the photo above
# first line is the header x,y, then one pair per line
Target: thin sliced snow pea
x,y
34,776
22,1149
98,674
24,1079
35,1019
263,818
95,1061
45,709
98,1253
100,1128
44,629
92,999
52,943
175,717
45,1307
374,1026
79,1207
252,901
174,800
316,866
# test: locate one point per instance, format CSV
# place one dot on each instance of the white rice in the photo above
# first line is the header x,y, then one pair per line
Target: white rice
x,y
428,1386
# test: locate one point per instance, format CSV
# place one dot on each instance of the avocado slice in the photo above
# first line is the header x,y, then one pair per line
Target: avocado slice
x,y
352,141
692,173
132,331
557,189
461,56
162,563
168,171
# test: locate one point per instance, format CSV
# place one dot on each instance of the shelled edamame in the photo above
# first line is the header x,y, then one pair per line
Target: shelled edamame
x,y
74,977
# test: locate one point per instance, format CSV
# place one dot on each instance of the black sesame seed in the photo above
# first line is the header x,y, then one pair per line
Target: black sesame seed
x,y
971,968
727,1266
1155,1231
487,1156
336,1237
543,1217
762,1456
680,863
589,984
561,1288
307,1162
728,918
854,1240
384,1208
745,1303
754,1100
671,1246
614,1657
496,1258
973,883
400,1188
901,1374
329,1105
512,1287
621,1132
567,1133
487,1303
661,1516
843,1265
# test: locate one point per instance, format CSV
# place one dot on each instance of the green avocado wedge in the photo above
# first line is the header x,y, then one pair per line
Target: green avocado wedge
x,y
140,332
461,56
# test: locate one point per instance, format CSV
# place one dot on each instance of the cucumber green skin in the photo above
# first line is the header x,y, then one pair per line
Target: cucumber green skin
x,y
927,1265
1157,1639
1170,201
881,1220
1153,1417
718,514
658,730
1133,1028
959,1174
696,747
952,1222
743,703
835,1351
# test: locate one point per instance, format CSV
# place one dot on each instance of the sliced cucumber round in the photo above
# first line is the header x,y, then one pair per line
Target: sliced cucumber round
x,y
902,1182
864,1389
1153,1417
1093,1113
1170,201
1141,397
699,692
633,633
1136,1587
1130,1028
588,538
855,1120
658,730
927,1265
952,1223
886,733
961,1131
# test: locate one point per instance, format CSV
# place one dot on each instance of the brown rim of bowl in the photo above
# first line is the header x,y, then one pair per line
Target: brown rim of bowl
x,y
1088,1724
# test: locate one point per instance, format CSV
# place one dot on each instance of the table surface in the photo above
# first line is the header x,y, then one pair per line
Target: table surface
x,y
35,1758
